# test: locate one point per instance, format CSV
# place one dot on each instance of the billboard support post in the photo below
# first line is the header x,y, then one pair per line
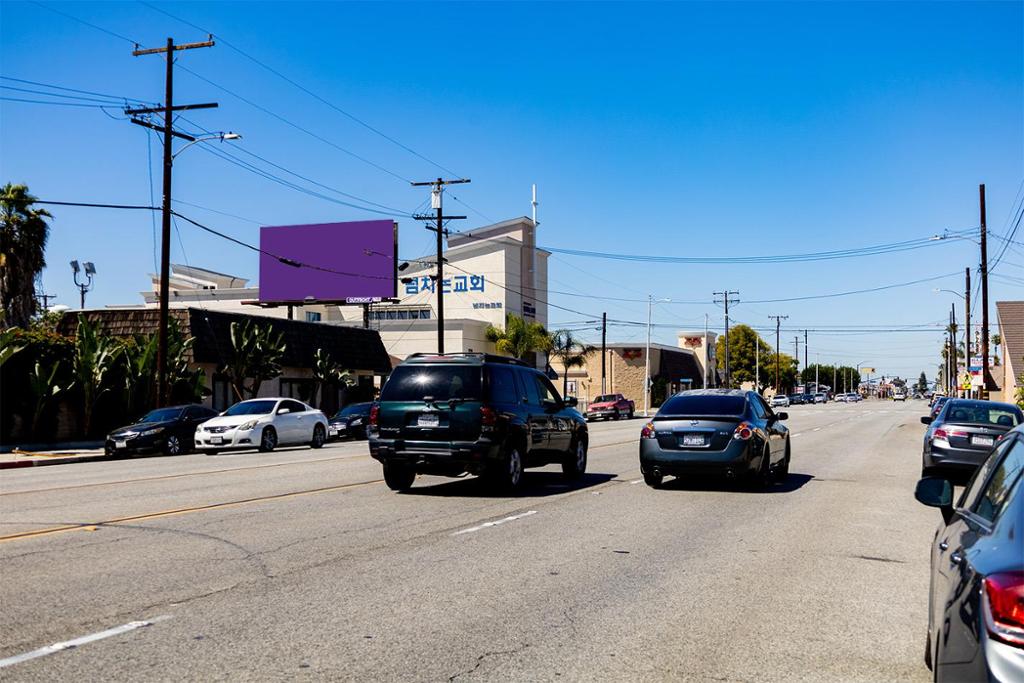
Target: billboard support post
x,y
437,202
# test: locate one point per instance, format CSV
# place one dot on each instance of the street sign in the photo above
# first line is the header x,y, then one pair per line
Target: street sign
x,y
868,371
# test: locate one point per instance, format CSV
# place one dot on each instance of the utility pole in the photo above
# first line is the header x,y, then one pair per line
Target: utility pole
x,y
757,364
952,346
727,299
167,110
604,350
806,363
984,295
967,322
778,349
436,202
707,355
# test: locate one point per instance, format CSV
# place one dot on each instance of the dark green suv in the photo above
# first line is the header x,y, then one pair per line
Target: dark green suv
x,y
477,413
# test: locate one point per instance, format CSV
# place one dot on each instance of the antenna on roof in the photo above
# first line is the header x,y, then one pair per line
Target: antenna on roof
x,y
534,204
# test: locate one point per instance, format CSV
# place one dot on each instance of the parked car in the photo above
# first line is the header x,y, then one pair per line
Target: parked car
x,y
471,412
820,397
780,401
164,430
840,398
352,421
797,399
610,407
727,432
899,396
263,423
936,407
959,439
976,601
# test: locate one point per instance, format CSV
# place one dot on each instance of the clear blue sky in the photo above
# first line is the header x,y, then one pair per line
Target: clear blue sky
x,y
674,129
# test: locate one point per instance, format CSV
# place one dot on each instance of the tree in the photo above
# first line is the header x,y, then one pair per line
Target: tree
x,y
95,355
519,337
44,385
139,358
922,383
744,346
23,235
570,352
256,354
327,371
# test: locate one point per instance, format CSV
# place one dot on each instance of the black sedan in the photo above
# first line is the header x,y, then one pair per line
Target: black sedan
x,y
726,432
165,430
960,437
976,604
351,421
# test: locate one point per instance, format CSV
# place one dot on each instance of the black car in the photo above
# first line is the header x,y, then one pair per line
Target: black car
x,y
976,602
352,421
726,432
165,430
798,399
472,412
960,437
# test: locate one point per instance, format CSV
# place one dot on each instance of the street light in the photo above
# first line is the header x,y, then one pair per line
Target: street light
x,y
647,356
83,287
207,138
858,374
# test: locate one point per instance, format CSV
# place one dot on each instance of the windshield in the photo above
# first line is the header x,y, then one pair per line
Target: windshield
x,y
703,404
609,398
251,408
162,415
990,414
354,409
441,382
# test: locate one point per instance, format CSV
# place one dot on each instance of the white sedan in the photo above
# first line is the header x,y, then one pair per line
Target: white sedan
x,y
263,423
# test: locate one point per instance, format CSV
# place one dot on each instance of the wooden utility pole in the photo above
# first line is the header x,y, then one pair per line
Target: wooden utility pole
x,y
604,350
436,203
726,299
167,129
967,323
985,378
778,349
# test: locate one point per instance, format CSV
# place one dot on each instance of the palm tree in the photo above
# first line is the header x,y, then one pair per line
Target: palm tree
x,y
94,357
327,371
519,337
256,354
23,235
571,352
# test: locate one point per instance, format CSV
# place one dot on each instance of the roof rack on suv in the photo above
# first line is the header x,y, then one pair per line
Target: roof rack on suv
x,y
485,357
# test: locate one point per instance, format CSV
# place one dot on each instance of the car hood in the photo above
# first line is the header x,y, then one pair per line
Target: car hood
x,y
141,427
232,420
347,419
606,404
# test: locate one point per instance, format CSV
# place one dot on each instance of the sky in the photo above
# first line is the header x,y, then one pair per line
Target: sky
x,y
668,129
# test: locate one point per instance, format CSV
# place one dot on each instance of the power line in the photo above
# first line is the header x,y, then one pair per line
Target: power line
x,y
83,21
79,98
56,104
119,98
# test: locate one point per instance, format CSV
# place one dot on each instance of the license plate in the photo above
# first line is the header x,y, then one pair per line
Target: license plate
x,y
693,439
332,431
216,439
428,421
120,444
983,441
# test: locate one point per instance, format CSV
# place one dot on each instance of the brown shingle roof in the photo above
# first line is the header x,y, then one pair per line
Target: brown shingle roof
x,y
1011,328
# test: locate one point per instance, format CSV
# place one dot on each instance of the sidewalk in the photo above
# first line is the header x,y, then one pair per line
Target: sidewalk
x,y
53,454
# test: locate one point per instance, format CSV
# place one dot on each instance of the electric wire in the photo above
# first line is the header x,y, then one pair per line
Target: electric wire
x,y
83,21
118,98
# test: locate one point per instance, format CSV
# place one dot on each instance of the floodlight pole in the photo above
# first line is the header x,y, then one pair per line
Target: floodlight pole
x,y
437,194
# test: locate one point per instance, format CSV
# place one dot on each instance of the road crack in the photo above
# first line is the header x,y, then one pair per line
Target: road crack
x,y
480,660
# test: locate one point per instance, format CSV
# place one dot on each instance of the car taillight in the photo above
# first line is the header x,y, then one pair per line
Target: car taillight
x,y
1004,603
648,432
941,433
743,431
488,418
374,412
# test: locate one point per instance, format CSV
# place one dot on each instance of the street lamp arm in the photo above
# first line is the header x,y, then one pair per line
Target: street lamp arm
x,y
214,136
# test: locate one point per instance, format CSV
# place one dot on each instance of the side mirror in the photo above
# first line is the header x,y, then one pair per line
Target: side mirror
x,y
283,411
926,420
570,402
937,493
550,406
782,416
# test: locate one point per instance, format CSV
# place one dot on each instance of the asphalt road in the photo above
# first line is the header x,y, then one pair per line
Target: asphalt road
x,y
301,563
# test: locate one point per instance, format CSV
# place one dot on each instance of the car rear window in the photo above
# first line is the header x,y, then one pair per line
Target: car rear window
x,y
442,382
703,405
995,414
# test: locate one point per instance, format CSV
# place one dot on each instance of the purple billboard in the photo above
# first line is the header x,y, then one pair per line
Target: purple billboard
x,y
334,262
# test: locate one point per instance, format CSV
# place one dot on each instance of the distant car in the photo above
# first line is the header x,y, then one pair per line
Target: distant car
x,y
715,431
780,401
797,399
820,397
352,421
959,439
976,596
263,423
164,430
472,412
610,407
856,398
899,396
839,398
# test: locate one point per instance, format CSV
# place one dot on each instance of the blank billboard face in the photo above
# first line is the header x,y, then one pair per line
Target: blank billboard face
x,y
328,261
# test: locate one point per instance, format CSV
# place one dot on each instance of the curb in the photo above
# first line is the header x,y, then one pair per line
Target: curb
x,y
13,464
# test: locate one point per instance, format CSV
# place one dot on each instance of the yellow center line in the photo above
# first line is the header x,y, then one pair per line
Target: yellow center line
x,y
180,511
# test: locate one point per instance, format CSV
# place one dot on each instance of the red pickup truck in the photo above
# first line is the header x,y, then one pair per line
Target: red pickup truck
x,y
610,407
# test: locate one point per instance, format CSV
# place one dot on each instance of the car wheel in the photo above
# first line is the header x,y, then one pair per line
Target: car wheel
x,y
268,440
173,445
630,415
783,470
507,473
319,437
399,477
653,479
617,414
211,452
575,464
761,480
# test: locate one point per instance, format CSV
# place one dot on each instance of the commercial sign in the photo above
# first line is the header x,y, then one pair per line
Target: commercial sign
x,y
457,283
329,262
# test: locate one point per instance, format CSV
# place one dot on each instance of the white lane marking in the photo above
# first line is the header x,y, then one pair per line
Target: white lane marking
x,y
796,435
71,644
636,481
816,429
496,522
